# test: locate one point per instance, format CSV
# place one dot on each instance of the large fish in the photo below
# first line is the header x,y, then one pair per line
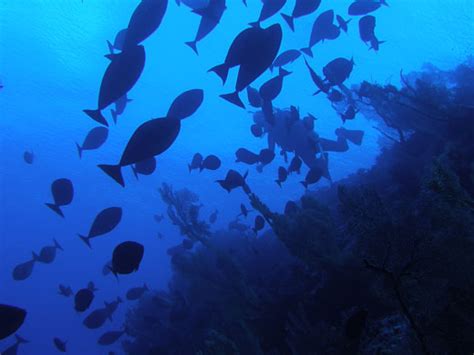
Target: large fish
x,y
63,193
11,319
157,135
322,27
119,78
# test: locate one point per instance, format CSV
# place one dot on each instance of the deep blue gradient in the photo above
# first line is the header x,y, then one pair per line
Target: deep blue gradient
x,y
51,64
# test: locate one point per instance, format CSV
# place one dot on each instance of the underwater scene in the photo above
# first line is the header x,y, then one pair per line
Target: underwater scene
x,y
237,177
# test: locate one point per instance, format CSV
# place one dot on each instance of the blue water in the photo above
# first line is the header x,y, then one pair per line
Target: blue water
x,y
51,65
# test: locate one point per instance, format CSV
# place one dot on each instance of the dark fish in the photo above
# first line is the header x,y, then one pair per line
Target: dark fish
x,y
94,140
257,130
194,4
48,254
367,28
157,135
60,345
103,223
145,167
118,41
308,122
355,324
338,70
233,180
318,81
112,307
282,175
349,113
253,50
144,21
127,257
196,162
295,165
84,297
107,268
213,217
272,88
211,162
266,156
111,337
11,319
23,271
312,177
363,7
269,8
210,18
246,156
137,292
354,136
287,57
120,76
335,95
321,26
29,157
13,349
333,32
291,208
63,193
65,291
254,97
244,211
120,106
258,224
302,8
158,218
97,318
375,44
342,23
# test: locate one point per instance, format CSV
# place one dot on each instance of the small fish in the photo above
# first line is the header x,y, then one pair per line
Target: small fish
x,y
363,7
127,257
29,157
258,224
318,81
23,271
84,297
244,211
302,8
120,106
256,130
335,95
282,175
233,180
65,291
266,156
96,319
196,162
118,41
287,57
269,9
349,113
338,70
11,319
136,293
104,222
94,140
144,167
112,307
48,254
60,345
213,217
13,349
107,268
246,156
295,165
110,337
63,193
211,162
342,23
320,30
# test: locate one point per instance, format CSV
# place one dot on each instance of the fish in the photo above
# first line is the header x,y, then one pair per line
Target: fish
x,y
144,167
295,165
213,217
266,156
24,270
349,113
194,4
363,7
48,253
11,319
269,8
244,155
196,162
94,140
144,21
253,50
335,95
254,97
13,349
269,92
60,345
233,180
319,31
136,293
29,157
210,17
338,70
107,268
282,175
65,291
126,257
109,338
211,162
120,106
342,23
112,307
318,81
367,28
244,211
312,177
256,130
96,319
291,208
84,298
301,8
120,77
118,41
157,135
287,57
105,222
63,193
375,44
258,224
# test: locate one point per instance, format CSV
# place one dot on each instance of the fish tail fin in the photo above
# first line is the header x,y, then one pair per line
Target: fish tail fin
x,y
134,169
111,47
305,184
97,116
86,240
193,46
290,21
278,182
222,71
234,99
34,256
79,150
20,340
255,24
57,245
114,171
114,115
284,72
384,2
55,208
307,51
